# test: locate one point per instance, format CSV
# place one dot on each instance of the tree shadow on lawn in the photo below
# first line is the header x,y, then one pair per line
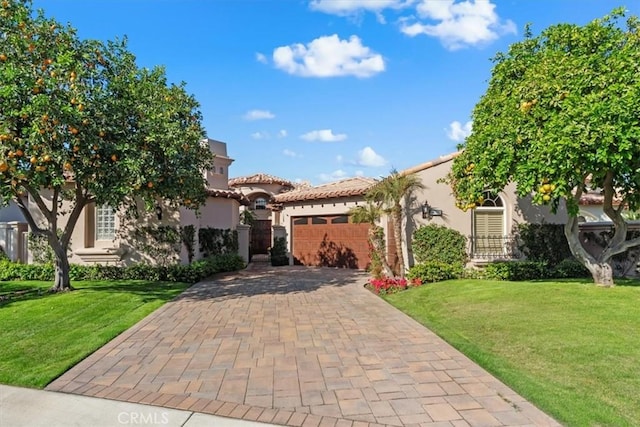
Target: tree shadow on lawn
x,y
147,291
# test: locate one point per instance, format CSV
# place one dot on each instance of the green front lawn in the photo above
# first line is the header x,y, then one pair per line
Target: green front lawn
x,y
571,348
42,335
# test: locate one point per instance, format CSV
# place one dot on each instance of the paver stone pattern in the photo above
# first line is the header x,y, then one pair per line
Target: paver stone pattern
x,y
296,346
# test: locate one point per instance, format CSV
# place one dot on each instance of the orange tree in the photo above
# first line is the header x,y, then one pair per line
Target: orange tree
x,y
80,123
561,115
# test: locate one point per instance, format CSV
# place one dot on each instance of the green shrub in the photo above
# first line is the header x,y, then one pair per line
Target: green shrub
x,y
435,271
215,241
188,235
436,243
278,253
517,270
570,268
189,273
543,242
10,270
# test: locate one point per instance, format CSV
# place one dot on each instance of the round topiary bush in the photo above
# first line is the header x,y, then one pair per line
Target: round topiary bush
x,y
436,243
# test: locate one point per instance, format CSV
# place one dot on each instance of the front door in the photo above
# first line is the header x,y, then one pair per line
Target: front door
x,y
260,236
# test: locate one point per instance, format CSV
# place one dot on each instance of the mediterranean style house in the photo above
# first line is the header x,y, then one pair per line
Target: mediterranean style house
x,y
488,228
102,236
260,189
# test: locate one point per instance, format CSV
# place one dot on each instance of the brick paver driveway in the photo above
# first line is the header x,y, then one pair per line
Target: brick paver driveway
x,y
296,346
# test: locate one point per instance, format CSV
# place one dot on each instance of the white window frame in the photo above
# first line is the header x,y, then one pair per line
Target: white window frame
x,y
262,205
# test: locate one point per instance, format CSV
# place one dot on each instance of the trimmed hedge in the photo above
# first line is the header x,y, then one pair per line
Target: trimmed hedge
x,y
437,243
517,270
569,268
435,271
188,273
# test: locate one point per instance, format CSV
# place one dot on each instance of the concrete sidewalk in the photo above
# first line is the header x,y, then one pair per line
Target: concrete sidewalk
x,y
24,407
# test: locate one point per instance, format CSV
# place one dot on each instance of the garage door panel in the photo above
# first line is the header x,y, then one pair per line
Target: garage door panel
x,y
330,241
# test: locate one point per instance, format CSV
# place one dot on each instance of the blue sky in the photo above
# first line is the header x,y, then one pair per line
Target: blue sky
x,y
320,90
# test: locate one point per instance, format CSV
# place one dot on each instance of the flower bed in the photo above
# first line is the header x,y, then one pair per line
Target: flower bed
x,y
391,285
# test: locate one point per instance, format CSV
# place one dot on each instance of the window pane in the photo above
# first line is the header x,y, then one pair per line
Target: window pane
x,y
105,223
260,203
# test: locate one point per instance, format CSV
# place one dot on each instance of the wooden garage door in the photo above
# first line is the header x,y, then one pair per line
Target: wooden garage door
x,y
330,241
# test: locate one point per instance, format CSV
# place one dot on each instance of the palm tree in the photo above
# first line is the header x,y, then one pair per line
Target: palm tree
x,y
391,192
370,214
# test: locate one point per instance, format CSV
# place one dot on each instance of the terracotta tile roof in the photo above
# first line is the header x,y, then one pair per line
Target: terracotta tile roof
x,y
259,178
431,163
345,188
228,194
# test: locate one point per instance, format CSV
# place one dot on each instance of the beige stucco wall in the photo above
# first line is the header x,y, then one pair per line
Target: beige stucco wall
x,y
439,196
217,213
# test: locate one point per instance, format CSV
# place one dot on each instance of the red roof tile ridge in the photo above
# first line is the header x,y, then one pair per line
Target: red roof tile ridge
x,y
259,178
431,163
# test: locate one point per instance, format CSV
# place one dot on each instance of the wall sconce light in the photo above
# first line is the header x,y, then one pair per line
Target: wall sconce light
x,y
428,212
159,212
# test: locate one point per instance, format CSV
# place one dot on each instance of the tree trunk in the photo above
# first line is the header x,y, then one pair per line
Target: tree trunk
x,y
602,274
397,231
62,281
380,252
601,270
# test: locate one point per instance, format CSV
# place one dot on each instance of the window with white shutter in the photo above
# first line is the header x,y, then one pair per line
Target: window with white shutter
x,y
488,228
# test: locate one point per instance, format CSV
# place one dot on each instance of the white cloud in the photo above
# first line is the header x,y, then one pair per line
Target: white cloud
x,y
260,135
460,24
339,158
333,176
324,135
350,7
261,57
282,133
328,56
459,132
290,153
368,157
258,115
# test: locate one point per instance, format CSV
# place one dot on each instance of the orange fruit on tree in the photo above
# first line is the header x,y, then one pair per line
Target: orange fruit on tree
x,y
150,184
33,160
4,166
47,158
114,157
19,152
3,57
73,130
